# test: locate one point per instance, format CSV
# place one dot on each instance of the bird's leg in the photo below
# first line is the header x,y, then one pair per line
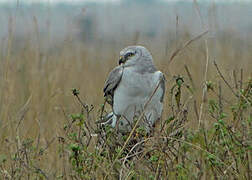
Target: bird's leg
x,y
115,121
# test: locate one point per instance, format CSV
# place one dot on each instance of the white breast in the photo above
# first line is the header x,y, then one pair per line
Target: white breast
x,y
134,91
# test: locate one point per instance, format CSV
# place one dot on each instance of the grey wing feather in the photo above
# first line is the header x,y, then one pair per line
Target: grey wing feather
x,y
162,85
112,82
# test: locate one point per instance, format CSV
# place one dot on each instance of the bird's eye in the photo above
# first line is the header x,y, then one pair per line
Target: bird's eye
x,y
130,54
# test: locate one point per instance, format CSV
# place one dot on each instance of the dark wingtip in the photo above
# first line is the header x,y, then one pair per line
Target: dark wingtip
x,y
105,93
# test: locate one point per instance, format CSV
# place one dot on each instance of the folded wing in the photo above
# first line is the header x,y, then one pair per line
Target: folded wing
x,y
111,83
162,84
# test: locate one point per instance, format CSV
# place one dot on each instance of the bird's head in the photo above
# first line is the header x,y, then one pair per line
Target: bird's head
x,y
134,54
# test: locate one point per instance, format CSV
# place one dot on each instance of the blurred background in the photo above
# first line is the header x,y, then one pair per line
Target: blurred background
x,y
119,22
48,47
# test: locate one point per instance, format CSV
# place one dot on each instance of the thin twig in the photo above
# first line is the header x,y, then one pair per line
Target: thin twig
x,y
190,76
235,79
196,110
241,81
177,51
23,111
219,72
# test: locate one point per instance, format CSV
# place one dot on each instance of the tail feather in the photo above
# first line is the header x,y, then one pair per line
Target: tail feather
x,y
107,120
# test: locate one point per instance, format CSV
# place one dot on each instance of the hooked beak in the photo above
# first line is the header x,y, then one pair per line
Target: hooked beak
x,y
121,60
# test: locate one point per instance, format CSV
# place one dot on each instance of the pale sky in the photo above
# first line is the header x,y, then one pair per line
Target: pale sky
x,y
58,1
77,1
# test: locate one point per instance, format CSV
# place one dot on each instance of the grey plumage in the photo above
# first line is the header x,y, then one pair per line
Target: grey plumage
x,y
130,85
112,82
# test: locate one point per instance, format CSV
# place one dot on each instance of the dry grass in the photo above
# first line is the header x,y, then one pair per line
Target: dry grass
x,y
36,99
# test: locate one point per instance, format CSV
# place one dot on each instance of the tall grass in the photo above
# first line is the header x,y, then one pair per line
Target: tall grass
x,y
46,133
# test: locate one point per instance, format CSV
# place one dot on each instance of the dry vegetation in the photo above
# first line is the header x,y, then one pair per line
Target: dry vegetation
x,y
46,133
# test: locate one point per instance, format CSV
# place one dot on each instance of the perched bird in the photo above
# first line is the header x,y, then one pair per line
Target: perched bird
x,y
130,86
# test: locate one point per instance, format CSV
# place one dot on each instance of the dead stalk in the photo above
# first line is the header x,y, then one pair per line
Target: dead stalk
x,y
203,99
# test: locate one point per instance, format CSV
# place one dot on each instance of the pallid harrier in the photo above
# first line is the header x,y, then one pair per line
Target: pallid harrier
x,y
130,85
